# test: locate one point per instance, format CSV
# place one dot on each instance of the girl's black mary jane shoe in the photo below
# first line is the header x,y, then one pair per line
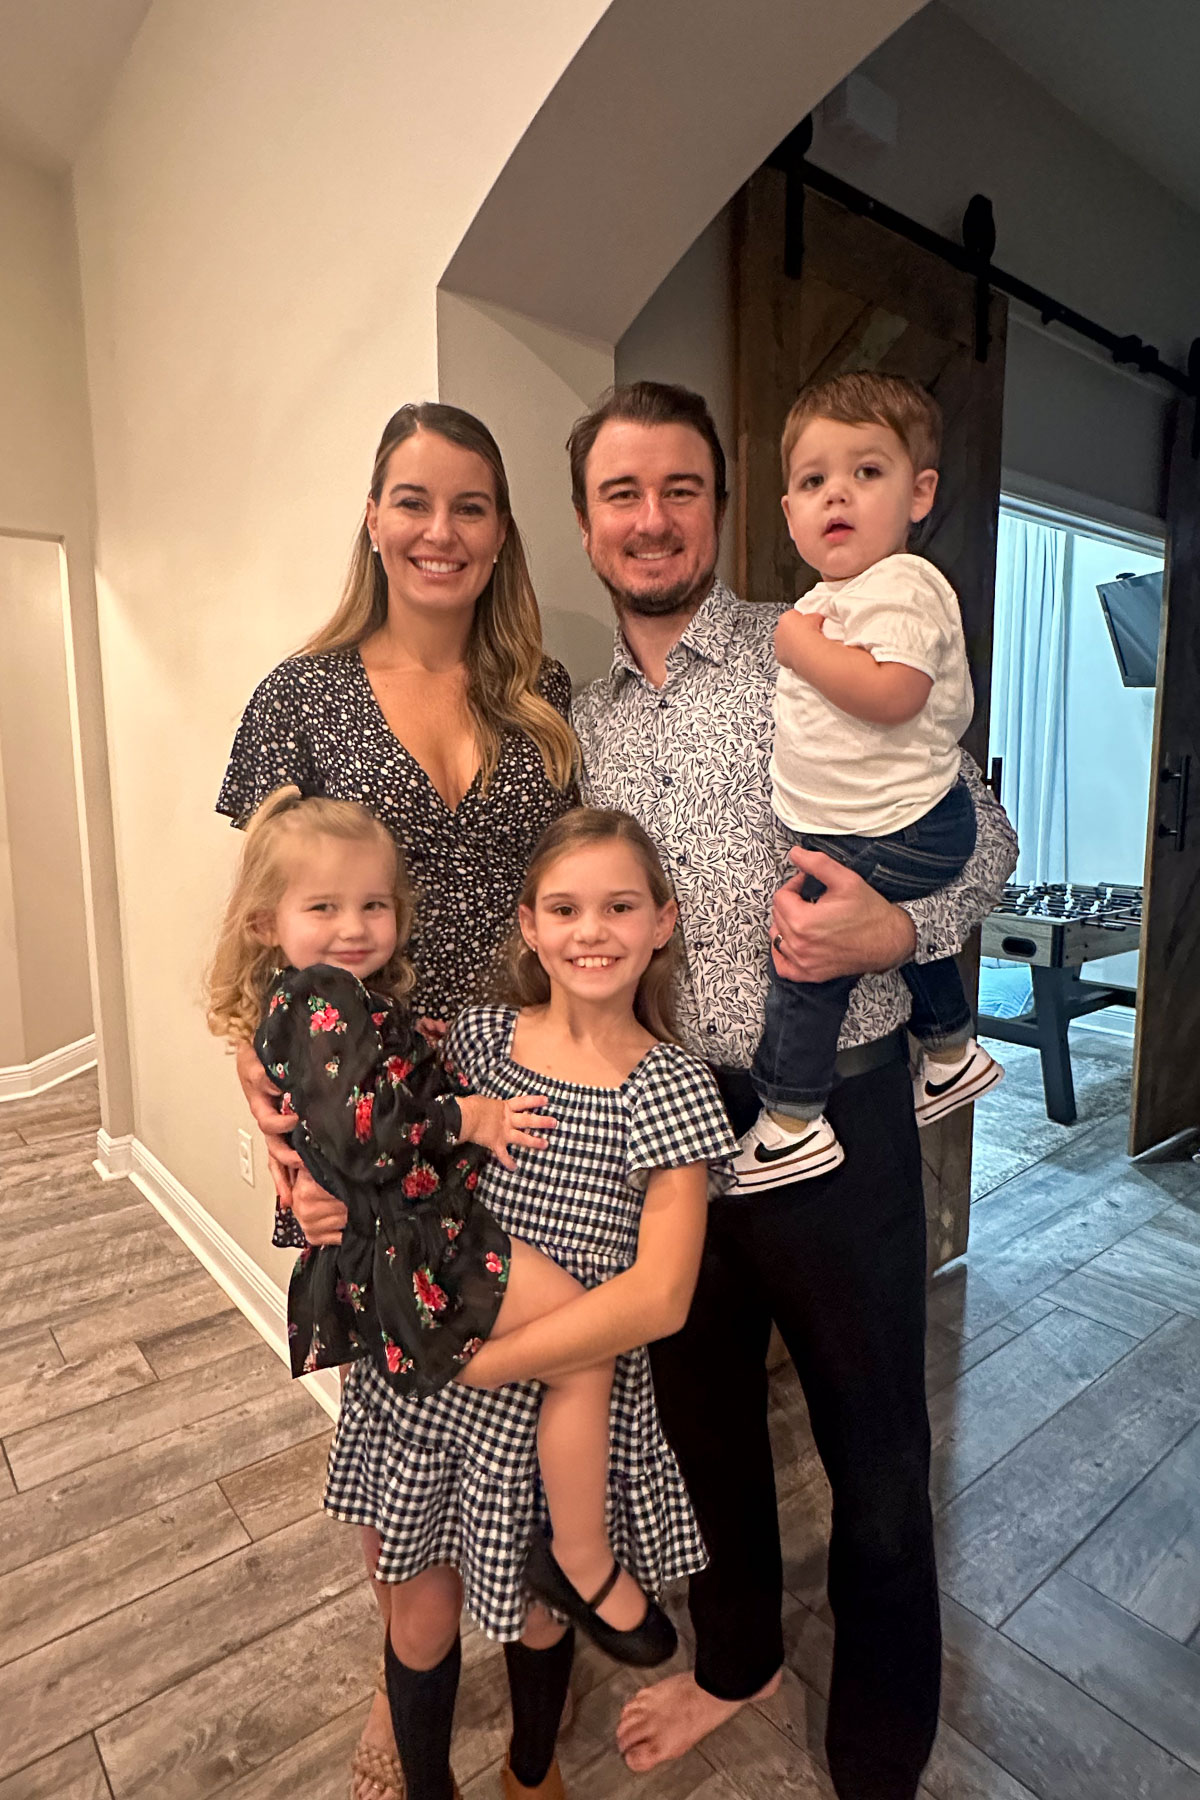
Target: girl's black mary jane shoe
x,y
646,1645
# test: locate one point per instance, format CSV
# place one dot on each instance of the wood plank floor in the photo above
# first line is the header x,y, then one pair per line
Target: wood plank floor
x,y
179,1620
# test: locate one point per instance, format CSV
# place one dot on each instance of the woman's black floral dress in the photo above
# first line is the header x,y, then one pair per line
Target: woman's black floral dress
x,y
417,1280
315,721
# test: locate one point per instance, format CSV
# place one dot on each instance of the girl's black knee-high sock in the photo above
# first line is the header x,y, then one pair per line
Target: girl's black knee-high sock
x,y
422,1703
537,1681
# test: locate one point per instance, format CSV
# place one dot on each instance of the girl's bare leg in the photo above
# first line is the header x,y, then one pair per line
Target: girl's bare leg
x,y
573,1434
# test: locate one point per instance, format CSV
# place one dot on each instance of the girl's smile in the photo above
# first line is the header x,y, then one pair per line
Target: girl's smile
x,y
595,925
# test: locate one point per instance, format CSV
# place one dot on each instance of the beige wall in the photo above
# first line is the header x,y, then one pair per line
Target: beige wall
x,y
46,490
1074,217
12,1025
49,927
263,217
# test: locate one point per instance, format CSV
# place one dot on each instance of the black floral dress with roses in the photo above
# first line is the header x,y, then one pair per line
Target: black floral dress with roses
x,y
417,1280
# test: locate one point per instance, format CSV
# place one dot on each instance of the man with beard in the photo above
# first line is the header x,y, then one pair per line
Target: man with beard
x,y
679,734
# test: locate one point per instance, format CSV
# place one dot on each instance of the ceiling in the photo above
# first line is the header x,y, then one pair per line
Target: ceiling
x,y
1127,68
58,61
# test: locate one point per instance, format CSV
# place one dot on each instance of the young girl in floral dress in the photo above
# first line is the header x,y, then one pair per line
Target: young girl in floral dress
x,y
426,1279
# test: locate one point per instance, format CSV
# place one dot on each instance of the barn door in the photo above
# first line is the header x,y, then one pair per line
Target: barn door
x,y
1166,1057
868,298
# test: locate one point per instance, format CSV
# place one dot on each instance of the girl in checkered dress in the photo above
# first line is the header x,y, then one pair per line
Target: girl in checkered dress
x,y
421,1279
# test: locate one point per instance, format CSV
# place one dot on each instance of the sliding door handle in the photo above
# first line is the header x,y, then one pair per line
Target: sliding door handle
x,y
1179,776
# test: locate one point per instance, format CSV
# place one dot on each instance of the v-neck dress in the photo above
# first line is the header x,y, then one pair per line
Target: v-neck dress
x,y
315,721
453,1478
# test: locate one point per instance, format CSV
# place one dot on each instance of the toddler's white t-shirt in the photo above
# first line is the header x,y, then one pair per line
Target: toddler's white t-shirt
x,y
835,774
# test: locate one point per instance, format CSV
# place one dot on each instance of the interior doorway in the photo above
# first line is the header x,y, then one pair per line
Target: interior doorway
x,y
46,1028
1075,637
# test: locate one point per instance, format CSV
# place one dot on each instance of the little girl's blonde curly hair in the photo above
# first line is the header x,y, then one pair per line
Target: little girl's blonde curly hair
x,y
243,964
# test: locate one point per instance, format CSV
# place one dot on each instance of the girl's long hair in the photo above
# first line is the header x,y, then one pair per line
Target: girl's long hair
x,y
504,650
521,979
243,966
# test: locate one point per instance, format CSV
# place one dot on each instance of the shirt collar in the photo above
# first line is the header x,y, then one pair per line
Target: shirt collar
x,y
707,635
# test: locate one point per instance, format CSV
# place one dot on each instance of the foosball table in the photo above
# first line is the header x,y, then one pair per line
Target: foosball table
x,y
1056,927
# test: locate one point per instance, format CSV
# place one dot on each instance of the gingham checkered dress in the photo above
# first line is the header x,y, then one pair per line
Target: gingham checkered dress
x,y
453,1478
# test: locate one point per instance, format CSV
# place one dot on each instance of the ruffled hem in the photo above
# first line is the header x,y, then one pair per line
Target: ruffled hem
x,y
434,1500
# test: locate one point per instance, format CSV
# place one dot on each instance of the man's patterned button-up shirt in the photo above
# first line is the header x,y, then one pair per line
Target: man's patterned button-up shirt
x,y
690,761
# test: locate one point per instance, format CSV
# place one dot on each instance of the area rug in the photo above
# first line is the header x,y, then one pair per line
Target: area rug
x,y
1012,1131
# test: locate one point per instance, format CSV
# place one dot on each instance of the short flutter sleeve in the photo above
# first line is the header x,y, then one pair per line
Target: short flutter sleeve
x,y
677,1118
478,1039
271,748
369,1113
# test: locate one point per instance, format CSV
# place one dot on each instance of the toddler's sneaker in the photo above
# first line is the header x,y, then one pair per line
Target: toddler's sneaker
x,y
770,1157
940,1087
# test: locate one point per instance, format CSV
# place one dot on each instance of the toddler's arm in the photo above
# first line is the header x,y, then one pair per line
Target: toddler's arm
x,y
849,677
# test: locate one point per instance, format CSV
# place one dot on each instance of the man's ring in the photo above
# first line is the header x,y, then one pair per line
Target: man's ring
x,y
777,941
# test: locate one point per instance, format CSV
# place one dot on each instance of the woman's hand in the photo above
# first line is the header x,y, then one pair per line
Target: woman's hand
x,y
433,1030
498,1123
848,931
262,1097
319,1214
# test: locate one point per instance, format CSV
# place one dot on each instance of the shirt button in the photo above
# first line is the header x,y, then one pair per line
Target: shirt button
x,y
661,705
681,859
712,1030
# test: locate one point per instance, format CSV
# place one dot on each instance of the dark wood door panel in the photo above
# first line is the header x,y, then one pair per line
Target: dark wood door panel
x,y
1166,1067
867,298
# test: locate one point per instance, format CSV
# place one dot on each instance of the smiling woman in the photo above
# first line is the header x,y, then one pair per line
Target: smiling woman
x,y
427,699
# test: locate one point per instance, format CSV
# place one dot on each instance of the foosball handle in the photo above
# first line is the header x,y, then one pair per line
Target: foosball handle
x,y
811,889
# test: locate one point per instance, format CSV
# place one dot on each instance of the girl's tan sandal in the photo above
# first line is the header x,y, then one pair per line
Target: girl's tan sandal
x,y
550,1788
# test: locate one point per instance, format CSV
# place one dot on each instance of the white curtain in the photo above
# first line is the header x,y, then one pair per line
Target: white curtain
x,y
1029,655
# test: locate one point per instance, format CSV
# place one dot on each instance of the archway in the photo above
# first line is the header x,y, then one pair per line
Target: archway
x,y
661,116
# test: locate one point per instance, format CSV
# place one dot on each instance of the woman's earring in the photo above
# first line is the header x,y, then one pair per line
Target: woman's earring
x,y
495,559
374,547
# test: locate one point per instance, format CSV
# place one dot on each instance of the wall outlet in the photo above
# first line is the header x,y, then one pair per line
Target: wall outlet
x,y
245,1144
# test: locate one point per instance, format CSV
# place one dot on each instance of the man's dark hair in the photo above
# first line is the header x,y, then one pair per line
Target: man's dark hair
x,y
643,403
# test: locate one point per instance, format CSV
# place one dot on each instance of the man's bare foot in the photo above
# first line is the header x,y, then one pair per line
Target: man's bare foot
x,y
375,1770
662,1722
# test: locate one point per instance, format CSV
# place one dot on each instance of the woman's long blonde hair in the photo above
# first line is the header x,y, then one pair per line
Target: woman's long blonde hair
x,y
243,965
521,979
504,650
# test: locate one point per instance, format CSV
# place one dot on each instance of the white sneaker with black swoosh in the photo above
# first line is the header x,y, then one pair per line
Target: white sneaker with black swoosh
x,y
770,1157
939,1087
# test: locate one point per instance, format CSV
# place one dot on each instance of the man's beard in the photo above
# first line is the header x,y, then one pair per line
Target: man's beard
x,y
682,597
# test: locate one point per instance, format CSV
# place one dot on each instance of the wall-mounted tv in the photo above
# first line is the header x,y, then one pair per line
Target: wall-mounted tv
x,y
1132,607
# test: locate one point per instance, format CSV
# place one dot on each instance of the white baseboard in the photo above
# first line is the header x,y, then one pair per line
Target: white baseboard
x,y
21,1080
236,1273
115,1158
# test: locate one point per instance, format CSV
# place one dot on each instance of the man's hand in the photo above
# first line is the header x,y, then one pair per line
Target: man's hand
x,y
262,1097
320,1216
850,930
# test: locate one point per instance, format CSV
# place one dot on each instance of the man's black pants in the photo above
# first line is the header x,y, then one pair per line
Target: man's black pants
x,y
838,1263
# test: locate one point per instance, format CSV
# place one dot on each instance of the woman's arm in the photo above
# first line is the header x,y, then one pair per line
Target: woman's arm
x,y
262,1097
889,693
648,1301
